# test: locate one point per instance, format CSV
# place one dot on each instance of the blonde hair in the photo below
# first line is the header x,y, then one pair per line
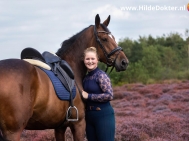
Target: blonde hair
x,y
90,49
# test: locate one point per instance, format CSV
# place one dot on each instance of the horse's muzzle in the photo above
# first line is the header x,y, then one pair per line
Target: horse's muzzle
x,y
122,65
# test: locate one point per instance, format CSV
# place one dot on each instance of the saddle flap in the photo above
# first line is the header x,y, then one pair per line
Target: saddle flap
x,y
67,68
31,53
50,57
65,78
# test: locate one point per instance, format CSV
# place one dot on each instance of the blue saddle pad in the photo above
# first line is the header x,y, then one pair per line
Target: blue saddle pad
x,y
60,90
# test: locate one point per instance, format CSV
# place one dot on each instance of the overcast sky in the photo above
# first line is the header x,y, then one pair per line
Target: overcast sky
x,y
44,24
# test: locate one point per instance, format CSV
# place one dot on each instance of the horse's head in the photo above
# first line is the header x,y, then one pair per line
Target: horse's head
x,y
108,50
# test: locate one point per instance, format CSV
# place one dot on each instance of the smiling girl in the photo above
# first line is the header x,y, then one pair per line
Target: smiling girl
x,y
98,92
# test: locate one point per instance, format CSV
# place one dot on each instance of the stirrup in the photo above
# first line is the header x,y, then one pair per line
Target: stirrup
x,y
72,119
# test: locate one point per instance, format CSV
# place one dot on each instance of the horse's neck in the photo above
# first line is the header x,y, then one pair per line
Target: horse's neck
x,y
75,55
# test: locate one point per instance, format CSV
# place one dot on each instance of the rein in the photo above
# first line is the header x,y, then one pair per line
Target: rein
x,y
109,61
78,89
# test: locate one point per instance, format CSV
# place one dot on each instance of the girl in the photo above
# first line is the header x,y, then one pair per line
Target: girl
x,y
100,119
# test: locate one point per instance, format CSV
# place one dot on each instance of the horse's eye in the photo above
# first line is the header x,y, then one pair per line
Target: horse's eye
x,y
104,39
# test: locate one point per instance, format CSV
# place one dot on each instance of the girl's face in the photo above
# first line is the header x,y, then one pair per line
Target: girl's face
x,y
91,60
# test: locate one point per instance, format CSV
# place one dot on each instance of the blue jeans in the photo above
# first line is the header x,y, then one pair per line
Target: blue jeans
x,y
100,125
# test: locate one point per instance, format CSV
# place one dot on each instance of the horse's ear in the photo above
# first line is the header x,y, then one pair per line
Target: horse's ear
x,y
107,21
97,20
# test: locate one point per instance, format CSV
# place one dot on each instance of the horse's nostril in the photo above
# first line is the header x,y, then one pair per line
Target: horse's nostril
x,y
124,63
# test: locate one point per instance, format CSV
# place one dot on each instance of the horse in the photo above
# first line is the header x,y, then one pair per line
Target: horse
x,y
27,97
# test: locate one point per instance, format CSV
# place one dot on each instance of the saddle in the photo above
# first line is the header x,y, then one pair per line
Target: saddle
x,y
52,63
59,67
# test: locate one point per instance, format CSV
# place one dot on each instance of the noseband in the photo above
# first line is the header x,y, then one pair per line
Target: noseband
x,y
109,61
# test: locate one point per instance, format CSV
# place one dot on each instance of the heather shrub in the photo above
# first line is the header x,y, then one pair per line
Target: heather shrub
x,y
154,112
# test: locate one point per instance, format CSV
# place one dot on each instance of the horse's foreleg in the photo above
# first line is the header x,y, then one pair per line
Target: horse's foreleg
x,y
78,130
60,134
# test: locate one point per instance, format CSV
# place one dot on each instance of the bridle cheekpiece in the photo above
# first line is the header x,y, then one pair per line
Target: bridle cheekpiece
x,y
109,61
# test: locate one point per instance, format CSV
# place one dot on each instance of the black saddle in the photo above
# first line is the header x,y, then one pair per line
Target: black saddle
x,y
60,67
31,53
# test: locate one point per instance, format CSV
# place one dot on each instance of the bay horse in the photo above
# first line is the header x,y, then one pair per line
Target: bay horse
x,y
27,97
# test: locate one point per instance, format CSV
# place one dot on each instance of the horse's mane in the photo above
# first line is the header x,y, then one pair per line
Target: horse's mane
x,y
67,43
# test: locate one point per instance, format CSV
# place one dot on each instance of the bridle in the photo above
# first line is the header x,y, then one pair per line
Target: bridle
x,y
109,61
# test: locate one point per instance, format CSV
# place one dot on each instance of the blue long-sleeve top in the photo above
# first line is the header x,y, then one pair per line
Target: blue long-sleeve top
x,y
97,84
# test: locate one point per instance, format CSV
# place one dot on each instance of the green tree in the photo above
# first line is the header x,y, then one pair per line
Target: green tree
x,y
160,58
151,60
127,45
136,52
136,73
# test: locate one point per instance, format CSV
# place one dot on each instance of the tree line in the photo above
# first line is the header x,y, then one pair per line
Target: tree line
x,y
154,59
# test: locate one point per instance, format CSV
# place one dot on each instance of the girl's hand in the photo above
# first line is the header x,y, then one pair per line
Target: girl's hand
x,y
85,94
